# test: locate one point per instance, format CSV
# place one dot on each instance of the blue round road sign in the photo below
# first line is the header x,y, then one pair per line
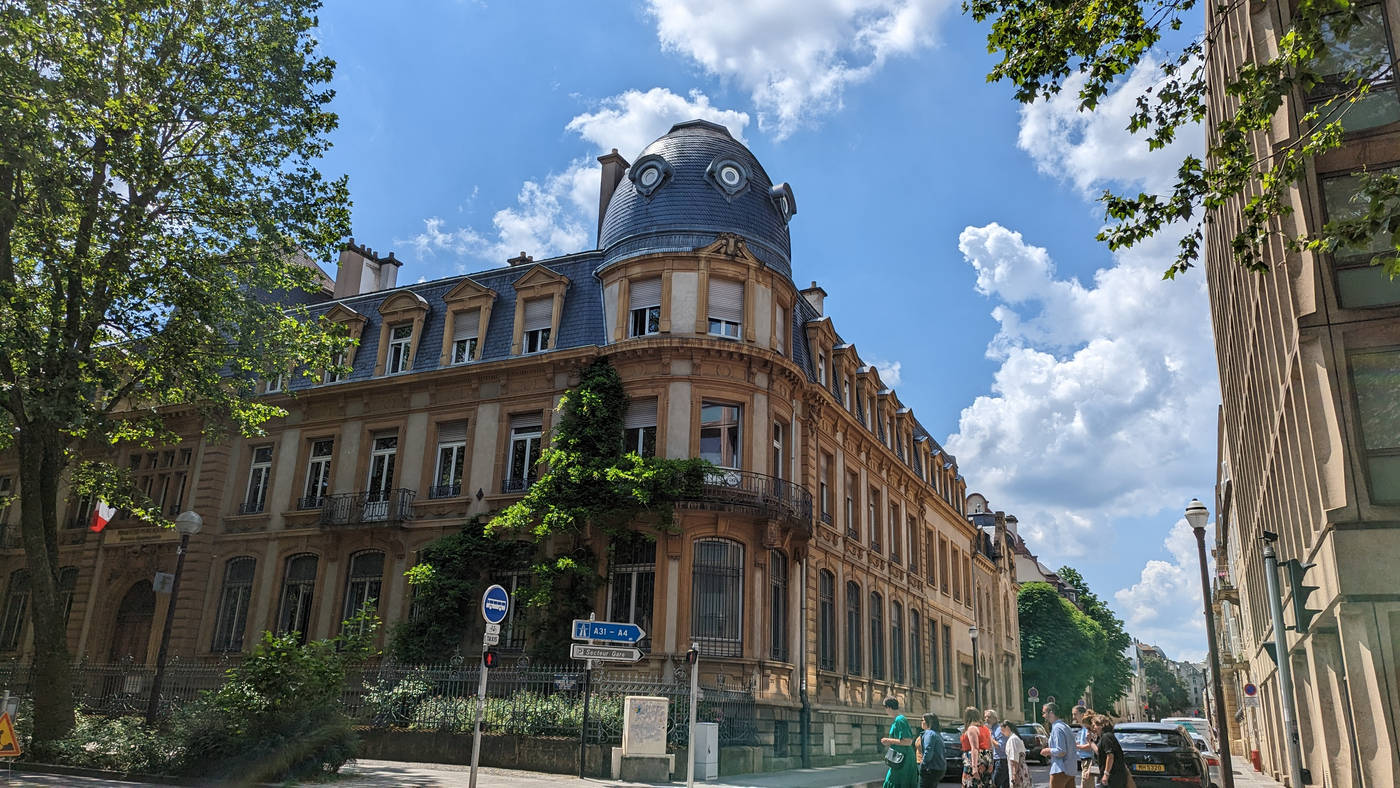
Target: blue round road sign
x,y
495,603
1250,689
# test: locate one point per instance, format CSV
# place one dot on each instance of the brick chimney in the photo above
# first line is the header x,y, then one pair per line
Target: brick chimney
x,y
614,167
816,297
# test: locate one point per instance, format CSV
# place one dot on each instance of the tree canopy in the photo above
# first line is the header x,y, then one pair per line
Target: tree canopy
x,y
158,186
1060,646
1166,695
1114,673
1043,45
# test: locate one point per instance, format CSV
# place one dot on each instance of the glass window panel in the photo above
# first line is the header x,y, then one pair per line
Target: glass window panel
x,y
1376,376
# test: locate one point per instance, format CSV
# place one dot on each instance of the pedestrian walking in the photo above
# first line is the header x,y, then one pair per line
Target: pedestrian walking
x,y
1064,764
976,751
933,761
902,771
1084,746
1001,778
1018,771
1113,770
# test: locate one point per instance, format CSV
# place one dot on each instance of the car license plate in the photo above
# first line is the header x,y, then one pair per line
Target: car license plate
x,y
1149,767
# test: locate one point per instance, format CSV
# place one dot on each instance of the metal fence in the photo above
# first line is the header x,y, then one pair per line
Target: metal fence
x,y
523,700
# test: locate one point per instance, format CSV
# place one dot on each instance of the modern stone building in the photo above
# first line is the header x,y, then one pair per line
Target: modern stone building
x,y
831,560
1309,358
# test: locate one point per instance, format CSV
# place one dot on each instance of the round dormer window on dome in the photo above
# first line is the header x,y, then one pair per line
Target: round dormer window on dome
x,y
730,176
649,173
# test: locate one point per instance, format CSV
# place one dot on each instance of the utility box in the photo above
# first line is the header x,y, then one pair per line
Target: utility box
x,y
706,755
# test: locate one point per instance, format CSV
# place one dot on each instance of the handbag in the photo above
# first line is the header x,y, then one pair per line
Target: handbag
x,y
894,758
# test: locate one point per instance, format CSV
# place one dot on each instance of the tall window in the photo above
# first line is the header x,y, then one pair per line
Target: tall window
x,y
67,585
644,308
826,620
911,531
298,589
943,565
259,474
916,650
639,427
777,605
872,510
632,583
318,474
897,642
335,373
957,576
362,584
1360,284
525,431
1357,51
930,558
397,360
451,459
778,453
726,306
947,659
16,606
853,633
383,454
821,368
538,314
967,578
895,537
934,684
232,618
852,507
717,597
825,481
719,434
877,636
1375,375
7,488
465,327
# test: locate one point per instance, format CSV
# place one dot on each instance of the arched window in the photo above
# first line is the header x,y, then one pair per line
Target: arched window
x,y
632,583
298,589
362,583
853,634
232,619
16,606
717,597
826,620
877,636
778,605
897,642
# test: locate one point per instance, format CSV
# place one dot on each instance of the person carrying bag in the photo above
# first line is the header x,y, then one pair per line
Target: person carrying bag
x,y
934,760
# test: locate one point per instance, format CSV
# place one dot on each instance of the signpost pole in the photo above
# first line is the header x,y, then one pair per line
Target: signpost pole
x,y
694,685
495,604
583,734
476,729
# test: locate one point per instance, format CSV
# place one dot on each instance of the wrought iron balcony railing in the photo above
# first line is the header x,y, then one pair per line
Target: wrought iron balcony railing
x,y
375,506
826,517
517,485
445,491
767,496
251,507
310,502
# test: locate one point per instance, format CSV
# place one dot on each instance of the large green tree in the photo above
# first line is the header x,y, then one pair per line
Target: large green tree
x,y
157,182
1060,646
1166,695
1044,44
1114,673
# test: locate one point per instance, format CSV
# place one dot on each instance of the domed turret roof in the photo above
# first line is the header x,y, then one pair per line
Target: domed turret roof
x,y
689,186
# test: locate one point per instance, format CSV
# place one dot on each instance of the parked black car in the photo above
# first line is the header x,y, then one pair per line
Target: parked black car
x,y
1036,739
952,748
1161,755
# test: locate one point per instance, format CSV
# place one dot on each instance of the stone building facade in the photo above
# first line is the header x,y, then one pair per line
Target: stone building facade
x,y
1309,358
829,563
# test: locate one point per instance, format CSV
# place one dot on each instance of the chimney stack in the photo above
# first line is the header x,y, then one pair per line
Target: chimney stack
x,y
614,166
362,271
816,297
389,272
523,259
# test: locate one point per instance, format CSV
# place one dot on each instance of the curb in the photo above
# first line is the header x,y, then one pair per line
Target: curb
x,y
107,774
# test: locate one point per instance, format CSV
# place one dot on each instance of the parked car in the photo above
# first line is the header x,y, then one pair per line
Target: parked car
x,y
1161,755
1196,726
1036,739
1212,759
952,749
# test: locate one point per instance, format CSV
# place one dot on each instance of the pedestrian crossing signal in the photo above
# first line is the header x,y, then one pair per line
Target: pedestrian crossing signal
x,y
489,658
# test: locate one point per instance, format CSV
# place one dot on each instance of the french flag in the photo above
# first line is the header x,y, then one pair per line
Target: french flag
x,y
102,515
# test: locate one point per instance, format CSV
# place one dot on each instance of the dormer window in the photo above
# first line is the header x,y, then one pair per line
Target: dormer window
x,y
783,200
730,176
537,325
400,341
275,384
644,308
648,174
464,336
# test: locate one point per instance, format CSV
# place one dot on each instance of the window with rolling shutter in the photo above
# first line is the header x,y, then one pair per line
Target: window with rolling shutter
x,y
525,434
465,327
639,427
451,459
726,308
644,308
538,314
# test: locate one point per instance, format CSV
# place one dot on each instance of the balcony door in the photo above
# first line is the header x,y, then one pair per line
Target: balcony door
x,y
381,477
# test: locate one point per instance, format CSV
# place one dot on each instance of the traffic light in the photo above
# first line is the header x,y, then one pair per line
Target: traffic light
x,y
692,656
490,658
1302,614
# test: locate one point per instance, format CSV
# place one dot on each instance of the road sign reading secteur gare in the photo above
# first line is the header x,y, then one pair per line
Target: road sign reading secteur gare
x,y
605,653
607,631
495,603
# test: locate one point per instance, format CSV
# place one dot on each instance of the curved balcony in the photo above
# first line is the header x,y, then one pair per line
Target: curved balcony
x,y
753,493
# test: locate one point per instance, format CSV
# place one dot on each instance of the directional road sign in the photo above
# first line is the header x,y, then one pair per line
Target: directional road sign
x,y
495,603
607,631
605,653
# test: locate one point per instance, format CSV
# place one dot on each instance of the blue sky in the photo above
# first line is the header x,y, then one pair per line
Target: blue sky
x,y
953,230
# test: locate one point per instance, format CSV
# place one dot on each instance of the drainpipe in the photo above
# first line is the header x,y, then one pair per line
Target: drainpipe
x,y
805,720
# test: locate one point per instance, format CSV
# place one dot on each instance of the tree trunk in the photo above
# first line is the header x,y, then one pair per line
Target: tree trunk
x,y
41,462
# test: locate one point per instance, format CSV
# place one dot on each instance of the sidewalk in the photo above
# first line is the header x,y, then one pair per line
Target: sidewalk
x,y
1246,777
382,774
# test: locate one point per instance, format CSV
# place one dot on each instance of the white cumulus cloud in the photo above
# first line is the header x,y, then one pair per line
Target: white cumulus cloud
x,y
557,214
795,57
889,371
1179,627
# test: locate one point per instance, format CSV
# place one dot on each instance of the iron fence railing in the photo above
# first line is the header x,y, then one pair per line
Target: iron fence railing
x,y
375,506
764,495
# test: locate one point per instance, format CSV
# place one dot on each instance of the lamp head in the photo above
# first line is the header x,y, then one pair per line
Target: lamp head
x,y
972,631
1197,514
188,523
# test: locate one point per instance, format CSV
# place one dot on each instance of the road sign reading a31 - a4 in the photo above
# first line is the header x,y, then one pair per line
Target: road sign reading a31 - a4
x,y
607,631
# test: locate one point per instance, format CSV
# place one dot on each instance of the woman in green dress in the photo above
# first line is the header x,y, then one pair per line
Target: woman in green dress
x,y
901,738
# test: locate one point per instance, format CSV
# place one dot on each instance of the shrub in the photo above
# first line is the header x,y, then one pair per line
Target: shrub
x,y
123,744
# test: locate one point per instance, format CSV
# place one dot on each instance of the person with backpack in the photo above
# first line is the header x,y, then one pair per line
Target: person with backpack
x,y
933,759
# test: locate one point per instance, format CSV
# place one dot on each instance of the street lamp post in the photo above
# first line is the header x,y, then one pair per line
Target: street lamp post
x,y
976,689
1196,516
188,524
